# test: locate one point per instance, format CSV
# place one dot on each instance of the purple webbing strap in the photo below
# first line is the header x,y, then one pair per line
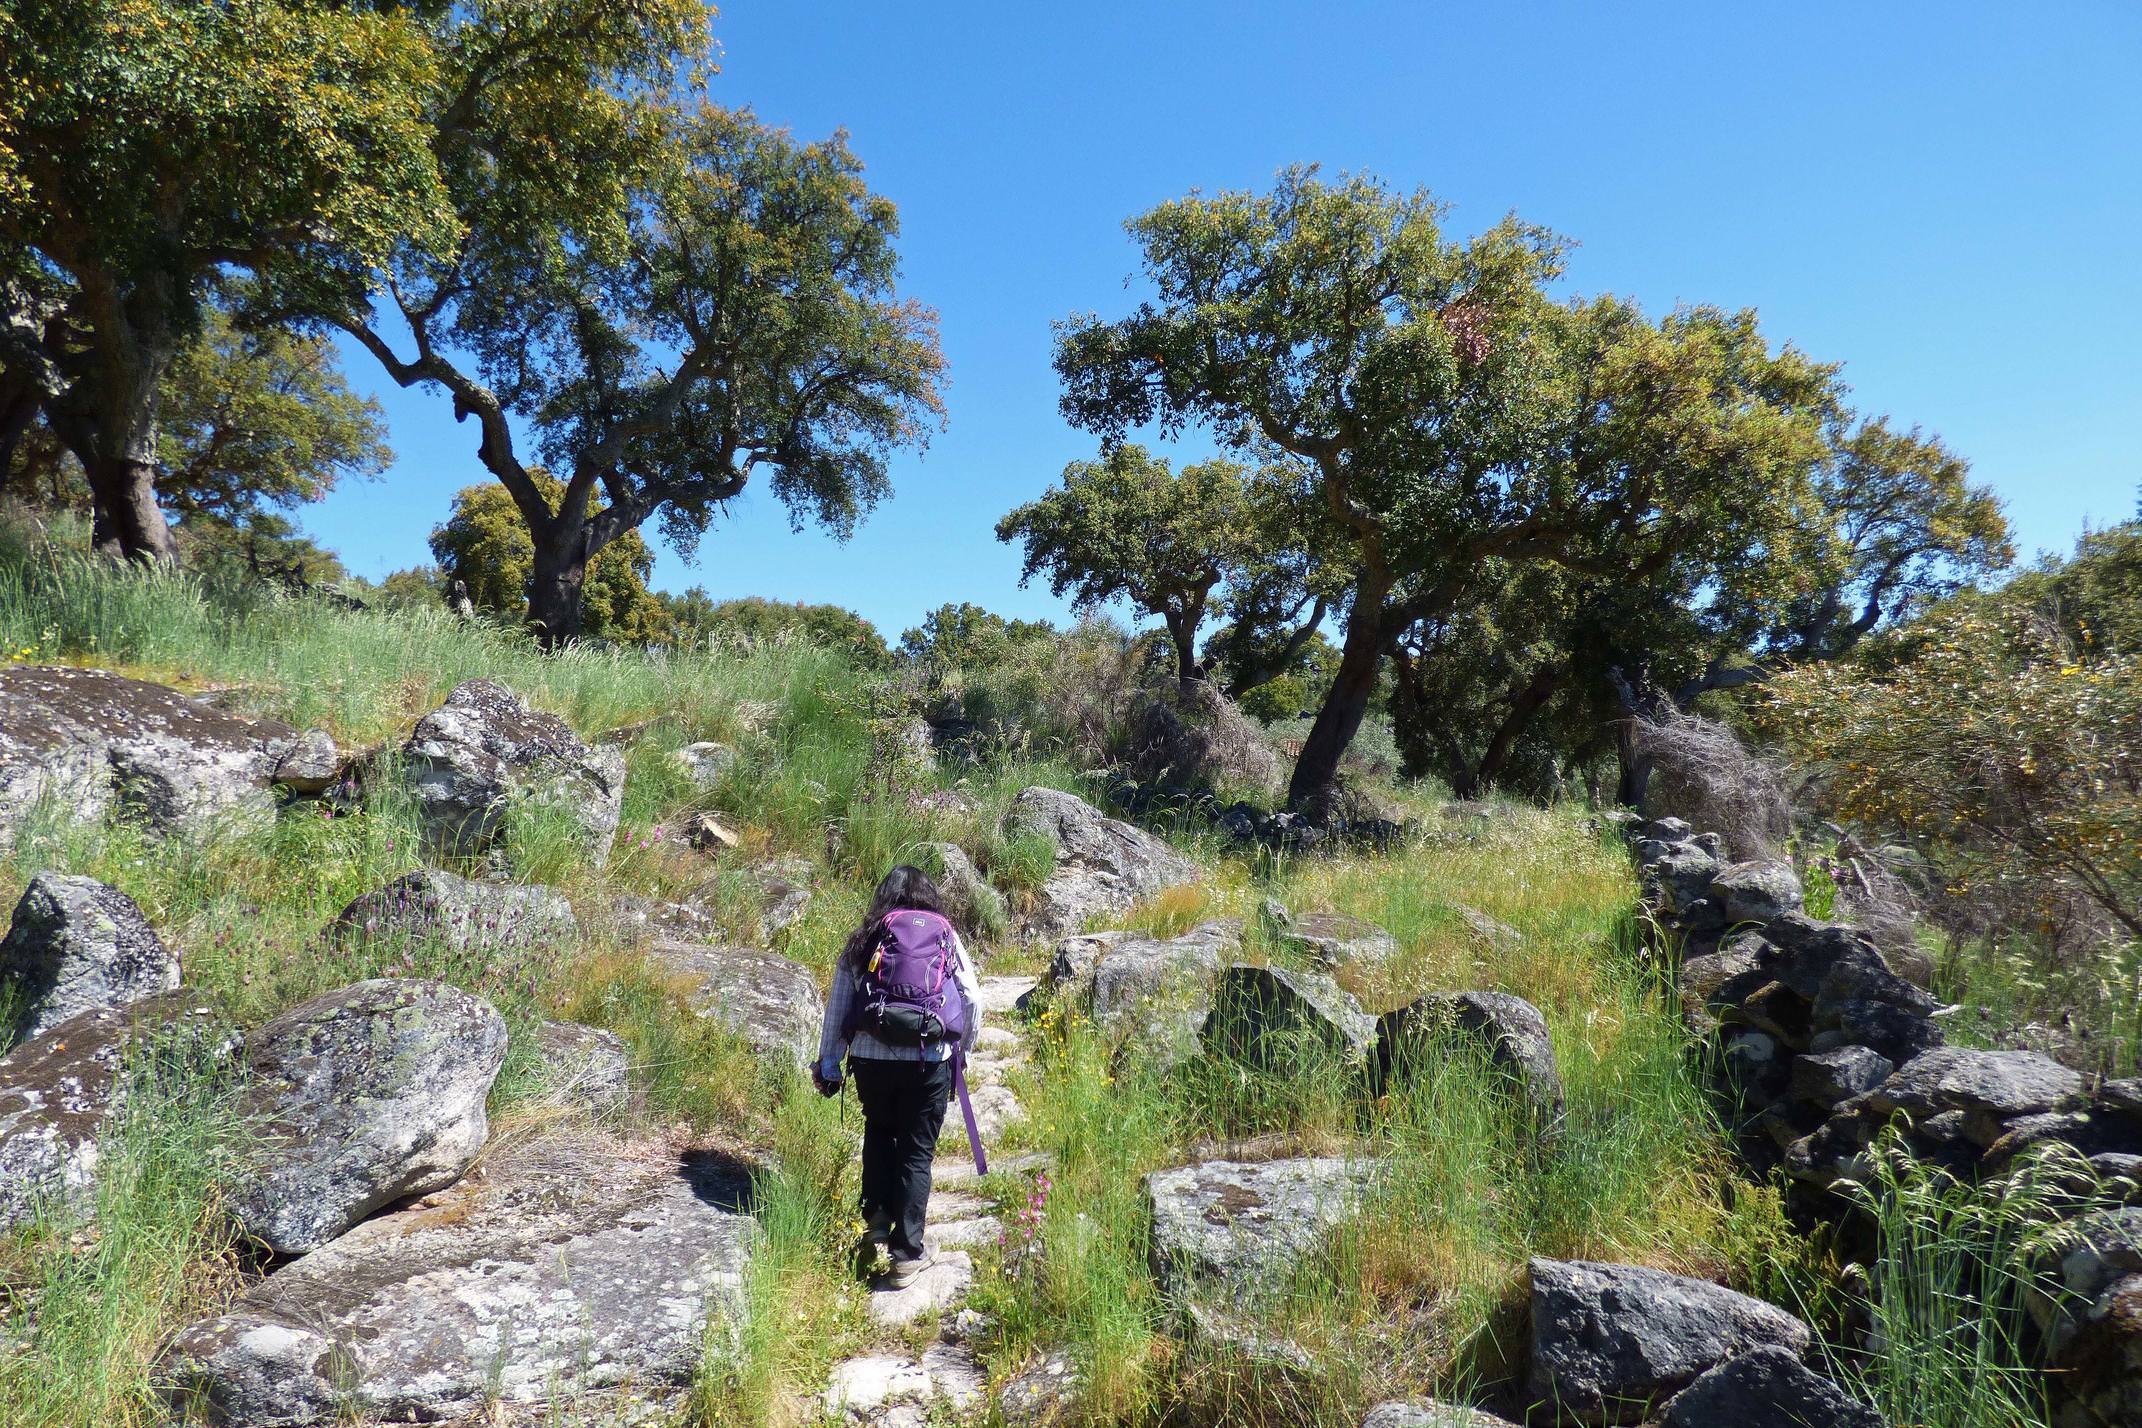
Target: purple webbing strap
x,y
966,1109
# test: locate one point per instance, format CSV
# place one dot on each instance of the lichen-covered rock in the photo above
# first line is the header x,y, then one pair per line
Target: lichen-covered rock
x,y
1493,931
360,1098
973,905
430,906
1274,1019
2094,1330
1510,1029
1756,892
1103,865
311,764
706,764
584,1066
2002,1084
484,748
1240,1230
1041,1395
89,742
1767,1388
1153,988
76,945
1610,1341
773,1004
1332,939
59,1091
561,1271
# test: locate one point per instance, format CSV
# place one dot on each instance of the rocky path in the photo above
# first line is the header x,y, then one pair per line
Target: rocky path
x,y
901,1384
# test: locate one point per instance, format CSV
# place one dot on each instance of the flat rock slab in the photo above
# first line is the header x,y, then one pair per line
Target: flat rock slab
x,y
1333,939
566,1269
76,945
1103,865
1610,1341
1241,1229
1001,994
961,1234
938,1288
1956,1078
863,1389
90,742
773,1004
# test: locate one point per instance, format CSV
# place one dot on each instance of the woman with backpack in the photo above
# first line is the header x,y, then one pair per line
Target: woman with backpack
x,y
904,1010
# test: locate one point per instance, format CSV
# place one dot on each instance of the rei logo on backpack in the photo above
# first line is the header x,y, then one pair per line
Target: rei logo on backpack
x,y
909,997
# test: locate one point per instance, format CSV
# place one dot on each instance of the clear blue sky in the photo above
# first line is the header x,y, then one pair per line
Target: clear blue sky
x,y
1947,198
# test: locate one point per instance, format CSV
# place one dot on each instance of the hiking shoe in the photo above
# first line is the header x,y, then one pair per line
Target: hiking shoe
x,y
905,1271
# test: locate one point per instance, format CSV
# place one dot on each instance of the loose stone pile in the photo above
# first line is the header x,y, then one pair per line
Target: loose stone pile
x,y
1826,1044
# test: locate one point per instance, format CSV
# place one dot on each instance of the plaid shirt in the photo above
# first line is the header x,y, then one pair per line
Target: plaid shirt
x,y
840,1001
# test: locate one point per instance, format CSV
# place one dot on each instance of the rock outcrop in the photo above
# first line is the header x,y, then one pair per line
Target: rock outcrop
x,y
1610,1342
1277,1020
437,907
1103,865
78,945
1332,939
1239,1230
975,907
360,1098
90,743
60,1090
562,1271
1767,1388
1508,1028
773,1004
584,1067
483,749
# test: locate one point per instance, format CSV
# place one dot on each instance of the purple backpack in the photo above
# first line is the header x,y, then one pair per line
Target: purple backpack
x,y
909,997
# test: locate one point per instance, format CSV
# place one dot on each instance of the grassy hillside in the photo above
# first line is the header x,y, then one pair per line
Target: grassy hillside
x,y
1417,1296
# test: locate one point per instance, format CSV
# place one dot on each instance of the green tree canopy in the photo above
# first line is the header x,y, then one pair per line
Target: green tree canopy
x,y
151,148
698,618
1129,527
732,311
1449,412
966,636
484,545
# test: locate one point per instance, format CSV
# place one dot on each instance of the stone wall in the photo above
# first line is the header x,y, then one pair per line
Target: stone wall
x,y
1822,1044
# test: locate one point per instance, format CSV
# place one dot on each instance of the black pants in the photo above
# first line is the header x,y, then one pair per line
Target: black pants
x,y
903,1111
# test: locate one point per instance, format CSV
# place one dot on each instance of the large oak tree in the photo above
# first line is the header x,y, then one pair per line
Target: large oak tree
x,y
1450,410
151,148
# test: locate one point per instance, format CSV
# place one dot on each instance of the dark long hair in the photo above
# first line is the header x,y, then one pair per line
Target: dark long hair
x,y
905,887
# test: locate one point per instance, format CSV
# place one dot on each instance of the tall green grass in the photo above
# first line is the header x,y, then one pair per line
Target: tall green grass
x,y
90,1299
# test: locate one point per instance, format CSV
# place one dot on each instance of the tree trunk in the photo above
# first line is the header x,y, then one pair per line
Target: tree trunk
x,y
128,521
1524,708
1638,699
554,588
1182,634
1316,772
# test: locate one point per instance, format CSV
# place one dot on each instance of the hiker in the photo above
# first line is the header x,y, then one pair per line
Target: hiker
x,y
904,1009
